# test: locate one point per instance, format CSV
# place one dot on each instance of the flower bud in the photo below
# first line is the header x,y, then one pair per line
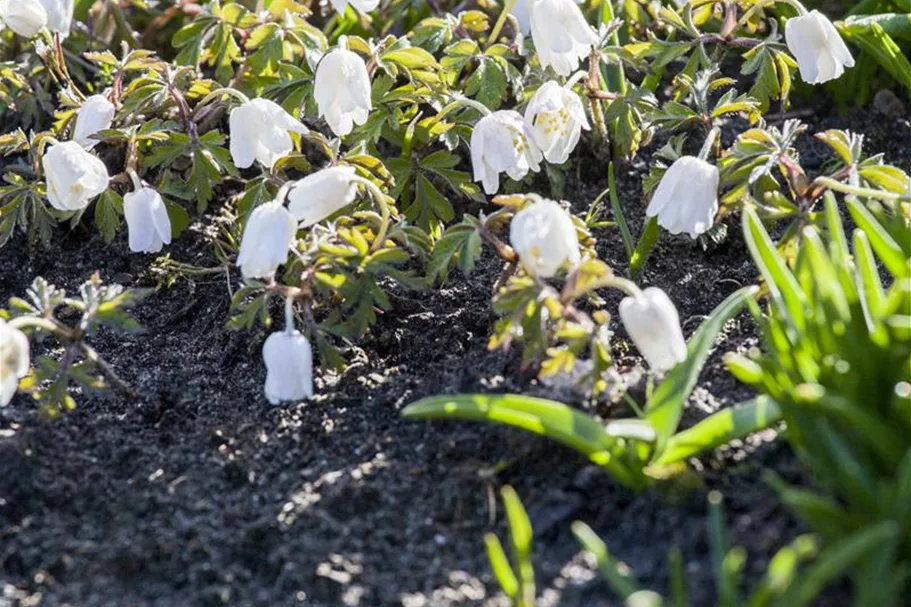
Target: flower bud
x,y
14,360
561,35
317,196
544,236
96,114
74,177
259,132
267,238
342,90
820,52
289,367
59,15
503,142
25,17
557,118
653,324
364,6
147,220
687,197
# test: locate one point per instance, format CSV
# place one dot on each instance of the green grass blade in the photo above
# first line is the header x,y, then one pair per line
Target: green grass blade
x,y
646,243
889,252
617,210
545,417
500,566
781,282
521,537
616,574
720,429
837,560
664,409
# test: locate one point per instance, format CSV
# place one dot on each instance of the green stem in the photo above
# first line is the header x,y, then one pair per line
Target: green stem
x,y
223,91
709,142
463,102
380,199
498,27
763,4
37,322
844,188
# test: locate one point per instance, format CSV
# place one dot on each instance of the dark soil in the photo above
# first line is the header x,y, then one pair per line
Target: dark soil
x,y
200,493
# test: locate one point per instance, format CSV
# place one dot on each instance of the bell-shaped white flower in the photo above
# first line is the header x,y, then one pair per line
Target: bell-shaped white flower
x,y
364,6
342,90
25,17
652,321
545,238
557,118
259,132
687,197
521,10
96,114
561,35
14,360
74,177
317,196
820,52
266,240
289,367
502,142
59,15
147,220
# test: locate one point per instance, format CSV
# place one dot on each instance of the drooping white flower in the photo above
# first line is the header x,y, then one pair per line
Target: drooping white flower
x,y
74,177
317,196
96,114
14,360
266,240
502,142
259,132
342,90
652,321
557,118
59,15
25,17
521,10
289,367
561,35
364,6
545,238
687,197
147,220
820,52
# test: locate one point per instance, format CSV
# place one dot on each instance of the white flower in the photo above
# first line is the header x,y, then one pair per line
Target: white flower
x,y
266,240
25,17
74,177
557,118
653,324
687,197
259,131
321,194
521,10
289,367
502,142
147,221
96,114
342,90
59,15
561,35
820,52
364,6
14,360
545,238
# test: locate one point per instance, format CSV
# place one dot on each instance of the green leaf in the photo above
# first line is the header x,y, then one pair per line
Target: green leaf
x,y
889,252
647,242
720,429
618,213
108,210
874,40
499,563
544,417
666,405
614,573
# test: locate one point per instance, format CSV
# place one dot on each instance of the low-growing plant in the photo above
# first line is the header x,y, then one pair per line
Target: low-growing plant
x,y
836,357
47,315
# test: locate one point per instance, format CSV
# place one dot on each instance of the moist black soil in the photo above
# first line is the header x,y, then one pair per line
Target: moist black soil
x,y
200,493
